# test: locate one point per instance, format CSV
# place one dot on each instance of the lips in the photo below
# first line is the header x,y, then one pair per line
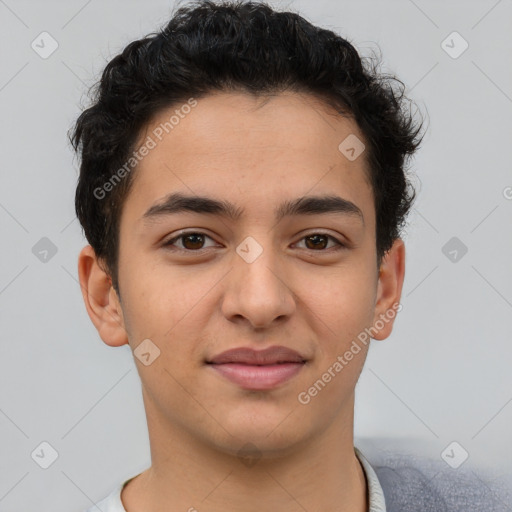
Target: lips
x,y
271,355
258,369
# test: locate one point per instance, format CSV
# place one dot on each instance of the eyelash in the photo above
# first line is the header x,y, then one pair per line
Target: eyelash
x,y
168,244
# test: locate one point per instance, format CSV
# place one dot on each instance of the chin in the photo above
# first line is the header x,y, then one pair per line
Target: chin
x,y
252,446
269,431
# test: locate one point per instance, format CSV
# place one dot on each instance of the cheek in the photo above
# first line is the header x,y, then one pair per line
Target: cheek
x,y
153,294
172,308
342,301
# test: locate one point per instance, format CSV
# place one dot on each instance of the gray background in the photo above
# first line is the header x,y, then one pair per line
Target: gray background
x,y
444,374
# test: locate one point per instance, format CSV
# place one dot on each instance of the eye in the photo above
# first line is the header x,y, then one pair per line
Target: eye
x,y
318,241
192,241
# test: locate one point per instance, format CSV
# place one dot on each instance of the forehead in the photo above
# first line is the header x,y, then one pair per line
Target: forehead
x,y
222,122
249,150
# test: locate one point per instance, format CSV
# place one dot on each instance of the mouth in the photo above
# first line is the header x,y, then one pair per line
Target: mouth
x,y
258,369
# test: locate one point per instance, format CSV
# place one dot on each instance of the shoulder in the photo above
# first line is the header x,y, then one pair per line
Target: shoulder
x,y
111,503
413,483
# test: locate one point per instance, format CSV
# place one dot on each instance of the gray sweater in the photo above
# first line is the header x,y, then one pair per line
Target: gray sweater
x,y
415,484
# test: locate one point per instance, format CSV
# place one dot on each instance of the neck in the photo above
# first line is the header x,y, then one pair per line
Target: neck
x,y
188,474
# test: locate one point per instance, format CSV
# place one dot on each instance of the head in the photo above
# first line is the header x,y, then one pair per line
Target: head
x,y
253,109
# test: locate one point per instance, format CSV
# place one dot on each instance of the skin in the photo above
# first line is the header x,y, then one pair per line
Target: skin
x,y
256,154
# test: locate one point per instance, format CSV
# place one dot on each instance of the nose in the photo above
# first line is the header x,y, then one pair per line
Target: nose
x,y
258,292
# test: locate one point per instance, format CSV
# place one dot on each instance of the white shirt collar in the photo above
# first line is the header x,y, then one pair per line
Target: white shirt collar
x,y
376,499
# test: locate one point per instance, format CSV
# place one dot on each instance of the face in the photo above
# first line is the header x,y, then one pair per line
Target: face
x,y
197,279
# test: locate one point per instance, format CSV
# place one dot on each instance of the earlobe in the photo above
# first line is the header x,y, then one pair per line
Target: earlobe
x,y
101,301
389,289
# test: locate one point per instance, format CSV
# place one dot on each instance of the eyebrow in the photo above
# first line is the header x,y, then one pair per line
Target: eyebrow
x,y
307,205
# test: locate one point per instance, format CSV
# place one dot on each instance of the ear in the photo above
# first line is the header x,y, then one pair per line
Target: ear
x,y
101,300
389,290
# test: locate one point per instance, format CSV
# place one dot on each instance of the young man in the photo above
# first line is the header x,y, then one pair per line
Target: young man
x,y
243,188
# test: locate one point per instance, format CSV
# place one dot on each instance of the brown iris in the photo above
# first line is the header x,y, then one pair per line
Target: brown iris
x,y
316,245
196,241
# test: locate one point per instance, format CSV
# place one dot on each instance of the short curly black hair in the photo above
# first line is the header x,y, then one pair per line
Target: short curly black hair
x,y
238,46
